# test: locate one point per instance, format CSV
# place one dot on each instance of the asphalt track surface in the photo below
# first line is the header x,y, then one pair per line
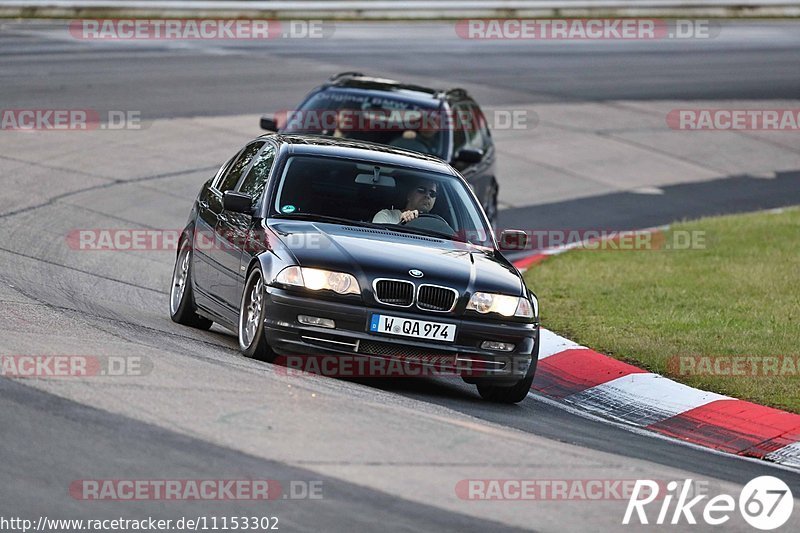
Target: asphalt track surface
x,y
388,453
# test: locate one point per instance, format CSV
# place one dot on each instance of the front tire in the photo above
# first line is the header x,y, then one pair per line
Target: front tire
x,y
513,394
519,390
181,295
252,311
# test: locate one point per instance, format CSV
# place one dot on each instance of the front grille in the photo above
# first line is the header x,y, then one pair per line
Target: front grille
x,y
408,353
433,298
394,292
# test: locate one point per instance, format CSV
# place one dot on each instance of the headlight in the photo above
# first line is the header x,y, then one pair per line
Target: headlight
x,y
484,302
291,276
317,279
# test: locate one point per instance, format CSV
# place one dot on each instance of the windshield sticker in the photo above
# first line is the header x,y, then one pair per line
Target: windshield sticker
x,y
288,209
366,102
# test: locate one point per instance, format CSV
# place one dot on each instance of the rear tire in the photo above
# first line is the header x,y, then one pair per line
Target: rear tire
x,y
181,296
252,311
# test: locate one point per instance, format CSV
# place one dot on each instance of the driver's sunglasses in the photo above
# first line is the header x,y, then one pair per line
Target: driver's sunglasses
x,y
430,192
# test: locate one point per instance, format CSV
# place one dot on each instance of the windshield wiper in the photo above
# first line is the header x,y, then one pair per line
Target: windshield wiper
x,y
325,218
384,226
419,231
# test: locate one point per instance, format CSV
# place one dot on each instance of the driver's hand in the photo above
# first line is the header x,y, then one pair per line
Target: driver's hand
x,y
407,216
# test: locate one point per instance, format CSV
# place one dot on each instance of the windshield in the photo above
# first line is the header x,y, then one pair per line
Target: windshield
x,y
368,117
363,193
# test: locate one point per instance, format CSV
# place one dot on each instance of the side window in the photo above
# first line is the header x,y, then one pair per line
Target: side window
x,y
459,136
256,180
221,171
483,127
473,124
233,174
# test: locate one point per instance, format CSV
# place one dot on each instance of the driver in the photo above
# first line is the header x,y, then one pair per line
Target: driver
x,y
420,200
423,140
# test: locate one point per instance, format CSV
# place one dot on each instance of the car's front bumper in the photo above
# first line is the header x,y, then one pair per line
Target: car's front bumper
x,y
351,336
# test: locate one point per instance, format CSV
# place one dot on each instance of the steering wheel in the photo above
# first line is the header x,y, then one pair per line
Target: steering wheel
x,y
432,222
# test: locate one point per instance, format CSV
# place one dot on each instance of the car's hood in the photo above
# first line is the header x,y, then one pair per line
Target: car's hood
x,y
372,253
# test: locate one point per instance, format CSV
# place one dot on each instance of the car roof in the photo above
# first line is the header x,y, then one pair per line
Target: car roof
x,y
324,145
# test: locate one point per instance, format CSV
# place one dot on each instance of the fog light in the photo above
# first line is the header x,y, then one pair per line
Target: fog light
x,y
316,321
497,346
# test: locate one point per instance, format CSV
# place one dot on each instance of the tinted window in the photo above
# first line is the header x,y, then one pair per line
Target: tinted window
x,y
235,171
459,137
346,189
256,180
470,129
471,120
379,118
482,127
222,170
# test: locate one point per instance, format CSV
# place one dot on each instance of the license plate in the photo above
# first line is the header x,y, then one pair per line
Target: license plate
x,y
408,327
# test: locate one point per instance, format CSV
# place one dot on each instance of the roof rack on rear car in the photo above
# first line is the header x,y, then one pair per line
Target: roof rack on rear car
x,y
348,74
457,92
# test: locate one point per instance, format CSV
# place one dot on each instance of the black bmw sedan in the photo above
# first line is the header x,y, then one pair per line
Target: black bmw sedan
x,y
306,244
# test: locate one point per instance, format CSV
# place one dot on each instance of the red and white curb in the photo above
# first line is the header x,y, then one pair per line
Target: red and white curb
x,y
604,386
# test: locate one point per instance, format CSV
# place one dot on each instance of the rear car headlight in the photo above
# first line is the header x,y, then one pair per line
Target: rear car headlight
x,y
317,279
485,302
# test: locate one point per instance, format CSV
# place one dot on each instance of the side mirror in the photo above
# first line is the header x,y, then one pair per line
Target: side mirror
x,y
469,156
237,203
513,240
269,124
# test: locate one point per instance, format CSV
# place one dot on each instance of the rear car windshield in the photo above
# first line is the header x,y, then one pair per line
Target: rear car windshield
x,y
369,117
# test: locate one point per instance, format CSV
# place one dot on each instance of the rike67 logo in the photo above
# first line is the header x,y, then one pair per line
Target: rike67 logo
x,y
765,503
